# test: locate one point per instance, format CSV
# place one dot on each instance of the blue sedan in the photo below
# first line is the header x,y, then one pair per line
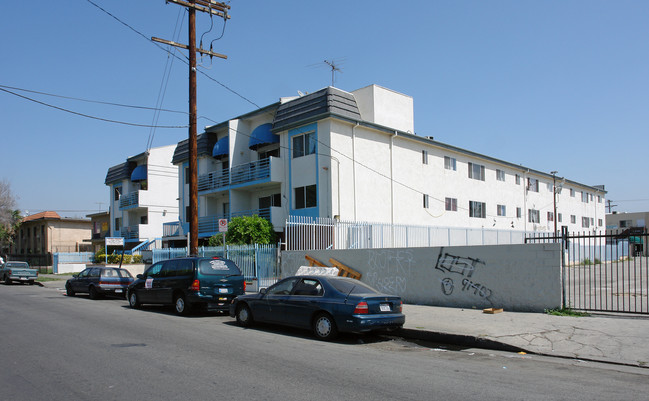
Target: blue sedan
x,y
325,304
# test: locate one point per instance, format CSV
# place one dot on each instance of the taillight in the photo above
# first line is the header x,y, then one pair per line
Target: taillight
x,y
400,306
361,309
196,286
244,286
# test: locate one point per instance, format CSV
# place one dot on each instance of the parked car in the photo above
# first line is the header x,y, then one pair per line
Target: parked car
x,y
325,304
98,281
17,272
211,283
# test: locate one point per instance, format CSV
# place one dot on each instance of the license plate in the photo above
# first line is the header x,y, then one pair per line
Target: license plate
x,y
385,307
118,291
23,278
223,291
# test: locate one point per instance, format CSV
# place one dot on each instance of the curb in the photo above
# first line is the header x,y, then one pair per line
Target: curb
x,y
459,339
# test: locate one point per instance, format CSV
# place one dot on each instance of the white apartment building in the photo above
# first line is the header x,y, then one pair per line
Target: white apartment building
x,y
143,195
353,156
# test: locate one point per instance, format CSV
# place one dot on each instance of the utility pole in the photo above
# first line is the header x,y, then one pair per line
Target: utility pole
x,y
213,8
610,206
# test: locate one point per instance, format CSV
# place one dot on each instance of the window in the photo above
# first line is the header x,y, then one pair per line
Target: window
x,y
501,210
600,222
283,287
559,217
500,175
426,201
476,171
267,154
533,185
519,212
305,197
226,209
533,216
424,157
477,209
144,219
626,223
573,219
584,197
599,199
187,175
451,204
118,223
268,201
304,144
155,270
450,163
518,179
572,193
117,192
308,287
549,185
550,216
585,222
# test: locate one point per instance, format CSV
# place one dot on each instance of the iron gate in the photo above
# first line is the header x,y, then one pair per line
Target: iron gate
x,y
604,272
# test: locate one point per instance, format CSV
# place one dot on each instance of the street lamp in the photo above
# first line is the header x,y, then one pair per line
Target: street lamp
x,y
554,199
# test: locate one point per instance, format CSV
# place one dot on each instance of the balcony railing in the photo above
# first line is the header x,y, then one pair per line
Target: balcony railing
x,y
129,200
174,229
209,224
253,171
213,180
263,213
131,232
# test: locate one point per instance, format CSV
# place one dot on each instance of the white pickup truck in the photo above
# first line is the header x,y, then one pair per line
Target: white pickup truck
x,y
17,272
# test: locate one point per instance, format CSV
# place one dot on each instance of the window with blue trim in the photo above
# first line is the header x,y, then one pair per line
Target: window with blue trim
x,y
304,144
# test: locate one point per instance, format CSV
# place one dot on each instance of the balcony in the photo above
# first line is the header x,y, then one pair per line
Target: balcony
x,y
175,229
213,181
248,172
130,200
131,232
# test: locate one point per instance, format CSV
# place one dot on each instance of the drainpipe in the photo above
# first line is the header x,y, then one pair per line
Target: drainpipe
x,y
354,165
392,188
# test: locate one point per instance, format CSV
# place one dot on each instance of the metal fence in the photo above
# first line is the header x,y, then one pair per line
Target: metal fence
x,y
257,262
303,233
604,272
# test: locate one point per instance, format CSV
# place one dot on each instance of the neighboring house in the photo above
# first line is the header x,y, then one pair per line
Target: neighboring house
x,y
46,233
623,221
100,230
143,196
353,156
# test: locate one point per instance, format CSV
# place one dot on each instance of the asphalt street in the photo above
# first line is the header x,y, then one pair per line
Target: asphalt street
x,y
56,347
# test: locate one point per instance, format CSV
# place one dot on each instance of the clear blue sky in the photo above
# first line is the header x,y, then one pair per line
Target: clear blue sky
x,y
552,85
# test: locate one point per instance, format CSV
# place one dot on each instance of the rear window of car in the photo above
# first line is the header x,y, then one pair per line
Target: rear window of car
x,y
123,273
352,287
219,267
18,264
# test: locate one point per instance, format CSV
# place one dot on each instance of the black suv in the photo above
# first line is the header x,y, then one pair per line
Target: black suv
x,y
187,282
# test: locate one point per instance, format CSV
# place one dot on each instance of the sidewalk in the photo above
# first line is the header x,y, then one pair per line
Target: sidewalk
x,y
605,338
620,339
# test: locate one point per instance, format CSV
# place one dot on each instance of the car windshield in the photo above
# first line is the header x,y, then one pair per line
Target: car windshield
x,y
219,267
352,287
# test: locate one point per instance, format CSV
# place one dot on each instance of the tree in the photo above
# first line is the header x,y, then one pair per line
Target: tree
x,y
9,217
246,230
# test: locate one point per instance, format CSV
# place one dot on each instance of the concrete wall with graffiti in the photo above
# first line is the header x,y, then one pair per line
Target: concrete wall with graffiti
x,y
513,277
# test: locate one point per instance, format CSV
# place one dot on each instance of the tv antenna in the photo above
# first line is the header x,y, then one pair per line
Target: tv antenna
x,y
335,66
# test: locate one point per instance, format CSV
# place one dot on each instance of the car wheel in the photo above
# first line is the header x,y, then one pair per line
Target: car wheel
x,y
181,305
92,292
244,315
68,290
324,327
133,301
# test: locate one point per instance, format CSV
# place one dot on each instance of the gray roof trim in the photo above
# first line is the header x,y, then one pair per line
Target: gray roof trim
x,y
119,172
204,145
325,102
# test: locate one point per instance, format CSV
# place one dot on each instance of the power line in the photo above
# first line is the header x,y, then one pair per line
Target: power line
x,y
102,102
89,116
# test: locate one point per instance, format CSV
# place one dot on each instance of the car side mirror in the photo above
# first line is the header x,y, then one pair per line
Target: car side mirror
x,y
75,275
140,276
262,291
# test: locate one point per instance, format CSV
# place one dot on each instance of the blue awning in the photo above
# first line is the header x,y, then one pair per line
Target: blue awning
x,y
222,147
262,136
139,173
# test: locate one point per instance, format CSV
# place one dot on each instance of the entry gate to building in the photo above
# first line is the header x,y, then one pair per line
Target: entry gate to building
x,y
604,272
